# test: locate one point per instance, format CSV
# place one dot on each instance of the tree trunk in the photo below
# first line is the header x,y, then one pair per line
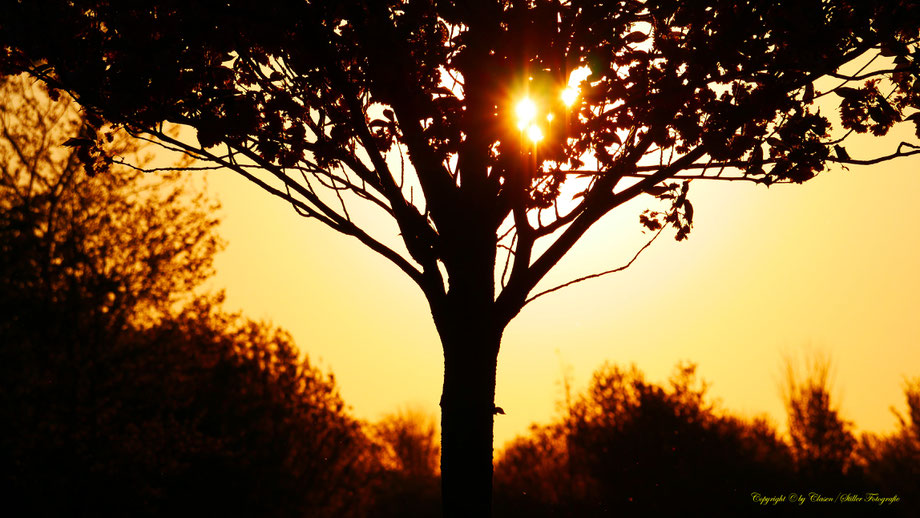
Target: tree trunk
x,y
471,343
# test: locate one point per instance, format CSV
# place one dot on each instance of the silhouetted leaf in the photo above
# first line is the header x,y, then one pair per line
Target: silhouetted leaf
x,y
636,37
841,152
846,92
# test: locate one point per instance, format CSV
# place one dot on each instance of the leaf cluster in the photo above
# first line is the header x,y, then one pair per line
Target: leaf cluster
x,y
680,214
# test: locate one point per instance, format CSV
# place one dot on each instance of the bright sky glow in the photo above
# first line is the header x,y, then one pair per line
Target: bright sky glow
x,y
578,75
740,292
570,93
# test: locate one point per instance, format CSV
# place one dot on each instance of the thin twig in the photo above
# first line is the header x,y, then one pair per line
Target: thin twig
x,y
595,275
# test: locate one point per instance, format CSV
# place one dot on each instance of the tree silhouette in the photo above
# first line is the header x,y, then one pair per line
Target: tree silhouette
x,y
404,111
822,441
202,414
672,447
114,250
629,446
534,477
892,462
408,482
123,390
410,438
262,431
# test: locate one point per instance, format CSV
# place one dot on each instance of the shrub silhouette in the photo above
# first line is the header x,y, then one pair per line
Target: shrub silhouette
x,y
534,477
408,483
822,441
629,446
892,462
204,414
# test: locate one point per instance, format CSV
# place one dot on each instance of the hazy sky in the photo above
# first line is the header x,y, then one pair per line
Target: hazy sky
x,y
827,266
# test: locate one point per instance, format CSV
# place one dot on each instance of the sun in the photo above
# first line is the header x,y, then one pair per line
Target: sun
x,y
529,114
526,111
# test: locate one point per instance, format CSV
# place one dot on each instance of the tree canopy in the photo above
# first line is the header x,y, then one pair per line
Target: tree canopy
x,y
323,102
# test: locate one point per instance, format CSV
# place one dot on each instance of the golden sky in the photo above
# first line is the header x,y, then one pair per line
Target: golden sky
x,y
828,266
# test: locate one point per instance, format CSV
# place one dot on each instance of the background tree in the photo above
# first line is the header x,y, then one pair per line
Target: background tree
x,y
892,462
407,484
114,250
630,446
320,103
669,441
822,442
206,413
123,390
534,477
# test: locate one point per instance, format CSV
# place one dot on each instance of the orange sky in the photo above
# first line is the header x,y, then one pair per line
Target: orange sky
x,y
828,266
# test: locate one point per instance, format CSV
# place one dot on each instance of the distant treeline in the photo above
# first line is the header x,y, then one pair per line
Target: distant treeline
x,y
126,389
627,447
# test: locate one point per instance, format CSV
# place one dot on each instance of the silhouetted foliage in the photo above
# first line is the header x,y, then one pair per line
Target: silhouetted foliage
x,y
317,102
206,414
822,441
892,463
410,441
110,251
633,448
123,391
627,447
534,477
408,483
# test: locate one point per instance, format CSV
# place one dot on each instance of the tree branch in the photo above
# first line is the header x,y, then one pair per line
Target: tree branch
x,y
601,274
321,212
598,202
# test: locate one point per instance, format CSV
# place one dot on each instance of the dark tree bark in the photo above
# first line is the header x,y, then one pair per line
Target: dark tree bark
x,y
470,332
467,403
